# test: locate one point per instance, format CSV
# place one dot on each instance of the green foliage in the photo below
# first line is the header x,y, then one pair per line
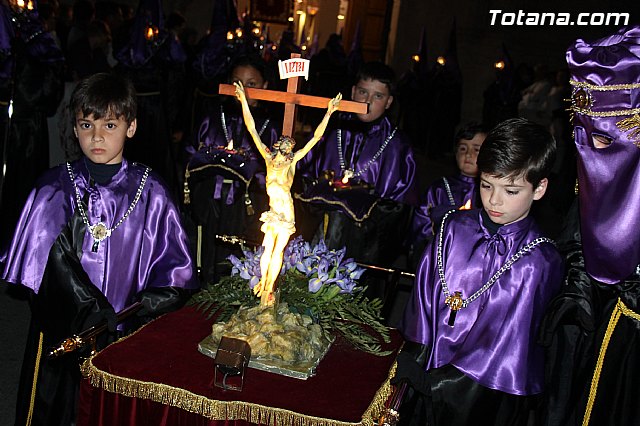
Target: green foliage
x,y
351,315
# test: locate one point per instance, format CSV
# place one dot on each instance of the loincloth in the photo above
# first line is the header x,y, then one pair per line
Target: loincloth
x,y
272,219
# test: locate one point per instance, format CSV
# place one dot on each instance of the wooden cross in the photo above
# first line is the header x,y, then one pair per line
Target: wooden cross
x,y
291,98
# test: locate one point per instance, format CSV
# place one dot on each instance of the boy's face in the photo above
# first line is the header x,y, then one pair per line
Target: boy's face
x,y
507,200
376,94
102,140
249,77
467,154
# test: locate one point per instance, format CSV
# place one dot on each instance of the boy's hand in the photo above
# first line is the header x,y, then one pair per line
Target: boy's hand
x,y
334,103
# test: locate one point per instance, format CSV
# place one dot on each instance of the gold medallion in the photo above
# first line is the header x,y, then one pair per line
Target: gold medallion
x,y
454,301
99,231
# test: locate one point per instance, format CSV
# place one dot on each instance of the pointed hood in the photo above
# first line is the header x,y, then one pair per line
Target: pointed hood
x,y
421,66
451,54
211,58
28,28
6,31
147,37
6,35
355,59
224,16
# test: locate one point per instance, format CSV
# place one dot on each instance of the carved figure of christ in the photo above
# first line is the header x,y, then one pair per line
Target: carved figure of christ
x,y
279,221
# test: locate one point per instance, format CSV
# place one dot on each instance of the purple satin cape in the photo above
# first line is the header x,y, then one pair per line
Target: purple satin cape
x,y
435,203
149,249
493,340
243,167
391,174
609,178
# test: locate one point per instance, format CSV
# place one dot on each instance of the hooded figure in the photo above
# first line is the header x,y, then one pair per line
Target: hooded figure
x,y
154,60
593,327
31,79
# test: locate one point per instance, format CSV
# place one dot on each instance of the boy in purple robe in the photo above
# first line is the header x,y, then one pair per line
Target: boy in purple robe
x,y
452,192
95,236
361,177
481,290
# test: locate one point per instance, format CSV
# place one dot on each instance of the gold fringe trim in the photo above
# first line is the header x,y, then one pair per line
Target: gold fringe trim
x,y
34,384
620,309
226,410
604,88
338,203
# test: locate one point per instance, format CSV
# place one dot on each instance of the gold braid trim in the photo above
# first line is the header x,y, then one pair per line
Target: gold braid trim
x,y
225,410
34,384
615,113
606,87
620,309
338,203
187,174
220,166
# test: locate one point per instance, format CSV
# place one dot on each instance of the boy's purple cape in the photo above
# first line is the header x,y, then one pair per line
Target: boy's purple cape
x,y
149,249
493,340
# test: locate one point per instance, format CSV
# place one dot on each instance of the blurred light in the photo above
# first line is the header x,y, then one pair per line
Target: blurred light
x,y
303,47
256,31
312,10
274,47
499,65
340,17
416,58
441,60
239,33
290,19
229,35
151,32
298,12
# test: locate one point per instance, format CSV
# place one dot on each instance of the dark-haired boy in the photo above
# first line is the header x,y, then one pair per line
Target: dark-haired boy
x,y
482,288
362,176
95,236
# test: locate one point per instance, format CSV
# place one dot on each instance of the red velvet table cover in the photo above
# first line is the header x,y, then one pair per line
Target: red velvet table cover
x,y
157,377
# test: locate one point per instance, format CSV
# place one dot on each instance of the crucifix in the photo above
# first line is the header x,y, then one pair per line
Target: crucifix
x,y
291,98
279,220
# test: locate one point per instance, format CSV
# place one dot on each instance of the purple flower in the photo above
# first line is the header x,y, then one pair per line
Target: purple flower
x,y
322,266
315,284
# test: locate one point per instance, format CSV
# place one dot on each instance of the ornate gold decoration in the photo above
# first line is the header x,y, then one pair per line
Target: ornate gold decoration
x,y
631,125
454,301
605,87
581,99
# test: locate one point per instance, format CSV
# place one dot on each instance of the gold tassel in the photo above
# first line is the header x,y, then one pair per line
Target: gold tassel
x,y
185,188
247,202
631,125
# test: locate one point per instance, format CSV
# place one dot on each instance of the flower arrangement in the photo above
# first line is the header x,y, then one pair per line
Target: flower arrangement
x,y
315,281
